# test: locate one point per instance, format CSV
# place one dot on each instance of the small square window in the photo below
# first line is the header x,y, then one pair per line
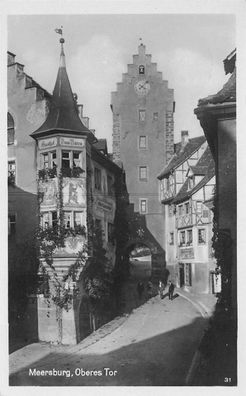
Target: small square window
x,y
201,236
53,159
76,159
77,219
189,237
67,219
187,208
143,173
54,219
182,237
65,159
199,207
141,69
143,206
142,142
98,179
45,220
142,115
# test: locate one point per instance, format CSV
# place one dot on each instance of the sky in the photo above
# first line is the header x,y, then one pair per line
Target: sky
x,y
188,48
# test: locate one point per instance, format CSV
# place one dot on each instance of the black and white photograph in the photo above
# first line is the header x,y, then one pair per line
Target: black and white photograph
x,y
122,198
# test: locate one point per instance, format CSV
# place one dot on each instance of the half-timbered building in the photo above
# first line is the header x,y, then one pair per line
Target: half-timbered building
x,y
186,191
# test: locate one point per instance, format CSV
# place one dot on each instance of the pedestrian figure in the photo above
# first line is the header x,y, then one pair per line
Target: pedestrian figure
x,y
149,289
140,289
161,289
170,290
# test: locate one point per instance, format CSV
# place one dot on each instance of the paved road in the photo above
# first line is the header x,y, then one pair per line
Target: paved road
x,y
154,346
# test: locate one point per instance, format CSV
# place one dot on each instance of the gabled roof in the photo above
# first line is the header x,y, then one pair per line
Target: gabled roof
x,y
63,115
201,167
101,145
228,92
206,162
182,154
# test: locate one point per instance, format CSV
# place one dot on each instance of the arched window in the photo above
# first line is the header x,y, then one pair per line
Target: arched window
x,y
11,129
141,69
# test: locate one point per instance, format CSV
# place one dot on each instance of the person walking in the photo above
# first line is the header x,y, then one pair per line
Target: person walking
x,y
140,289
161,289
170,290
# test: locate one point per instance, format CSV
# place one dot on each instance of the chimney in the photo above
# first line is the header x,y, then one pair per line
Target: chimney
x,y
184,138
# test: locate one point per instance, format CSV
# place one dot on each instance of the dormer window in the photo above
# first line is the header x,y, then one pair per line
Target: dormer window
x,y
141,69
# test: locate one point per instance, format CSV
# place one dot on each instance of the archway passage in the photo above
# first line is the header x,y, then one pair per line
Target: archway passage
x,y
140,261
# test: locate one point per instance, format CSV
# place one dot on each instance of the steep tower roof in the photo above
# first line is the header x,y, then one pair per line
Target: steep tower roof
x,y
63,114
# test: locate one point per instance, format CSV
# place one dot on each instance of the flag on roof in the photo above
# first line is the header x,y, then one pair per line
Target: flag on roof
x,y
59,31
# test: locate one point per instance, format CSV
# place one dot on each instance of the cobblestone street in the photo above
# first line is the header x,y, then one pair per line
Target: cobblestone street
x,y
154,345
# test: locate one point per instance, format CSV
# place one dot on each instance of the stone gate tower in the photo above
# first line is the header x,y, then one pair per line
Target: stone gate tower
x,y
143,108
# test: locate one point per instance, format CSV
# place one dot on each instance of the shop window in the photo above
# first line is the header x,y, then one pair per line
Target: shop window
x,y
98,179
11,172
143,173
11,130
143,206
171,238
142,115
11,224
141,69
201,236
142,142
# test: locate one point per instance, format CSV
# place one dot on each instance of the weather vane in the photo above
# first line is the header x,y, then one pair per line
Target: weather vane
x,y
60,31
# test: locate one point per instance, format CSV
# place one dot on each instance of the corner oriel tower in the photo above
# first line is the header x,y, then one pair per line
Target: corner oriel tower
x,y
143,108
62,145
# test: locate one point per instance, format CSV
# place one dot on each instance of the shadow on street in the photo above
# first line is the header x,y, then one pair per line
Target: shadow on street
x,y
160,360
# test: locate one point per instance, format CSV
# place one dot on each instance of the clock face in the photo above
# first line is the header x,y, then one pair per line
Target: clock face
x,y
142,87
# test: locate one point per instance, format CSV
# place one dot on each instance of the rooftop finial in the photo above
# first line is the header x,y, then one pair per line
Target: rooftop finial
x,y
62,41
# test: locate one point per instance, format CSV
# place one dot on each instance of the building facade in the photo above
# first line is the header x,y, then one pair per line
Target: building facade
x,y
186,191
217,116
61,181
143,108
